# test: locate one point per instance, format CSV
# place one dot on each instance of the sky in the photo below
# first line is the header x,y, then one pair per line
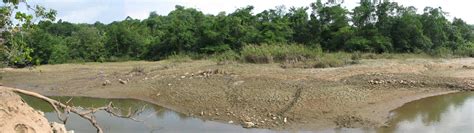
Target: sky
x,y
106,11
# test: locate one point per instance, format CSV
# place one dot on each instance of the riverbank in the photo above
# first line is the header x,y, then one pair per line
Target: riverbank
x,y
265,95
17,117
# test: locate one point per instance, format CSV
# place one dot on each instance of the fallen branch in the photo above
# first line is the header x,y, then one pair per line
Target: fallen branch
x,y
86,114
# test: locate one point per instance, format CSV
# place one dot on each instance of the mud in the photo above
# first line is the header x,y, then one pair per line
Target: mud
x,y
266,95
18,117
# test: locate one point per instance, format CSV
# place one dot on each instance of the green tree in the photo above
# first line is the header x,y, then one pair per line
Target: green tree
x,y
331,24
13,22
274,26
299,23
127,39
87,44
435,25
407,32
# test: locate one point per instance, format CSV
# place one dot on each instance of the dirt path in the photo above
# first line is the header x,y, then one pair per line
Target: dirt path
x,y
265,95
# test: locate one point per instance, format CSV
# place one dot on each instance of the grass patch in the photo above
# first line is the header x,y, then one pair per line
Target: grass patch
x,y
227,57
267,53
181,57
327,60
392,55
338,59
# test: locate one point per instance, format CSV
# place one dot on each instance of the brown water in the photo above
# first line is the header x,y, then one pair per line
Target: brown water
x,y
439,114
152,119
451,113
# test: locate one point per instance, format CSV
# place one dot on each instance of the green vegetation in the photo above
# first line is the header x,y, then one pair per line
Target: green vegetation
x,y
274,35
266,53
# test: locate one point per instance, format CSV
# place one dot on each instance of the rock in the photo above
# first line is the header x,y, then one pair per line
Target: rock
x,y
158,94
40,112
106,82
274,118
202,113
169,84
246,118
248,124
468,67
376,81
183,77
230,122
122,81
238,82
58,128
285,120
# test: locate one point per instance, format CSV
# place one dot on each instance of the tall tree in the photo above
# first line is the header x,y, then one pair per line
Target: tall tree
x,y
299,23
13,23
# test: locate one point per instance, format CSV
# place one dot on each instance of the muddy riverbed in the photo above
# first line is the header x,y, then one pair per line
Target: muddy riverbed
x,y
266,95
444,113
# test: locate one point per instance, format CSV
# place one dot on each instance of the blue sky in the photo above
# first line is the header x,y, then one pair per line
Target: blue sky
x,y
106,11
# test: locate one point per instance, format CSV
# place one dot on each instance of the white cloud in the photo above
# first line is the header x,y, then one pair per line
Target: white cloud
x,y
112,10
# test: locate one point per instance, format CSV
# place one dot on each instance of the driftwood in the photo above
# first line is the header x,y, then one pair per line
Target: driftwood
x,y
86,114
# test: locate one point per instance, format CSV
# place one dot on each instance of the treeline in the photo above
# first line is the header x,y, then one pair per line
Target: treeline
x,y
378,28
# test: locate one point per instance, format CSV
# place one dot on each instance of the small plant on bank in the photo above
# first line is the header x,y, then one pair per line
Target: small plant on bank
x,y
138,69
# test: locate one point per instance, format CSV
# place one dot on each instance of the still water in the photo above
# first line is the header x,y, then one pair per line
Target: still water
x,y
451,113
152,118
439,114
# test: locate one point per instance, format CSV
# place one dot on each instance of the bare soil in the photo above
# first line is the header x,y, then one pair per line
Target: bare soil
x,y
17,117
266,95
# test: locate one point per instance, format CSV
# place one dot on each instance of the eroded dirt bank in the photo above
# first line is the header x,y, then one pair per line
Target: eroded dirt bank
x,y
17,117
265,95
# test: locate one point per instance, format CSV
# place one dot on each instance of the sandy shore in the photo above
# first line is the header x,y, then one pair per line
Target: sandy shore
x,y
266,95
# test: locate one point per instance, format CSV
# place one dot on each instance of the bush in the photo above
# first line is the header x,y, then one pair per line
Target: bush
x,y
441,52
465,51
266,53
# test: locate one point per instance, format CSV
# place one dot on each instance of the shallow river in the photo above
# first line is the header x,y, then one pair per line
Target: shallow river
x,y
446,113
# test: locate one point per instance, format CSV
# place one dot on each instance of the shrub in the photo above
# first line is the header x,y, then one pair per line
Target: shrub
x,y
466,50
441,52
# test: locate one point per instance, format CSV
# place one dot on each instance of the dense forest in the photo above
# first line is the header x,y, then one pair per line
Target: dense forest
x,y
376,28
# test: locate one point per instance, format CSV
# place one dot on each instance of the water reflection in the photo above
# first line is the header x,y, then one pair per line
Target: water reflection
x,y
446,113
440,114
152,119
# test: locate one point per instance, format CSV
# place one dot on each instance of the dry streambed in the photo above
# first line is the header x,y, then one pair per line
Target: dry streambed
x,y
262,96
